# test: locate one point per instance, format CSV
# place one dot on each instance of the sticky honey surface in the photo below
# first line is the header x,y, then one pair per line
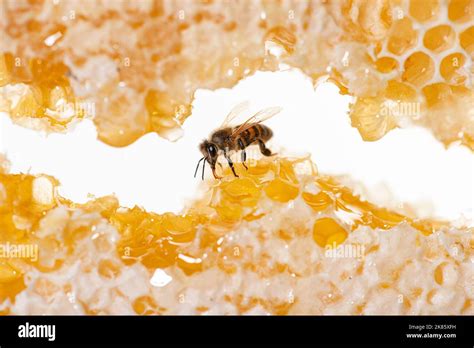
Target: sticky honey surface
x,y
406,62
272,241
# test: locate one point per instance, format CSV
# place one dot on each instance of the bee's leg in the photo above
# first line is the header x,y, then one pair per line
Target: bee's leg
x,y
263,148
231,164
213,167
243,153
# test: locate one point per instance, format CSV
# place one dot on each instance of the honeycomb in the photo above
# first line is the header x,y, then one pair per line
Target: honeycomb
x,y
404,62
280,239
263,237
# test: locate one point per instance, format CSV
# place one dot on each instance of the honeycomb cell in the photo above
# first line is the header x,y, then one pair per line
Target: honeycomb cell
x,y
229,211
437,93
180,228
450,69
283,37
11,289
466,38
439,38
189,264
396,90
382,218
327,231
7,273
461,10
109,269
336,238
319,201
424,10
419,69
281,190
402,37
444,94
386,64
242,190
146,305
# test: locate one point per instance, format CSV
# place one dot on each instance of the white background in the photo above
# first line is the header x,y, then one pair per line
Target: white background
x,y
408,166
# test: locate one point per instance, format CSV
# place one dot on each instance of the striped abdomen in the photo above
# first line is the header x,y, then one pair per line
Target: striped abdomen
x,y
254,133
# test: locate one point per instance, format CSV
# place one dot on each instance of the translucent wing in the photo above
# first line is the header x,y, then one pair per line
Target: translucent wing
x,y
259,117
236,111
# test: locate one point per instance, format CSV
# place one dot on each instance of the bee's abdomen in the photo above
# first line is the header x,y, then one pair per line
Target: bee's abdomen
x,y
254,133
266,133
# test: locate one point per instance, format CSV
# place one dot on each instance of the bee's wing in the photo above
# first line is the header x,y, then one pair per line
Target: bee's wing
x,y
236,111
259,117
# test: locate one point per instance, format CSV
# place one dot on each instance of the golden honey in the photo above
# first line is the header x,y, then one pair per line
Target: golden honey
x,y
258,246
397,41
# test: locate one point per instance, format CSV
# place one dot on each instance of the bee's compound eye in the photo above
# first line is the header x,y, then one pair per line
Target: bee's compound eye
x,y
212,150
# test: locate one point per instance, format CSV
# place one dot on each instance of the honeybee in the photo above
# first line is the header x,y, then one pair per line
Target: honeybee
x,y
236,138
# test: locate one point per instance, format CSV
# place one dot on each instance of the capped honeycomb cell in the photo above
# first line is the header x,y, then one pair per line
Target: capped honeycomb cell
x,y
402,37
461,10
450,68
419,69
439,38
386,64
424,10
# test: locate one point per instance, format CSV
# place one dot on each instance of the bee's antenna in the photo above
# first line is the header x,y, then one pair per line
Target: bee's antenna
x,y
197,167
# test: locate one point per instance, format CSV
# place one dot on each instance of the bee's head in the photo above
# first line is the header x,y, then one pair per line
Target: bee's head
x,y
209,151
